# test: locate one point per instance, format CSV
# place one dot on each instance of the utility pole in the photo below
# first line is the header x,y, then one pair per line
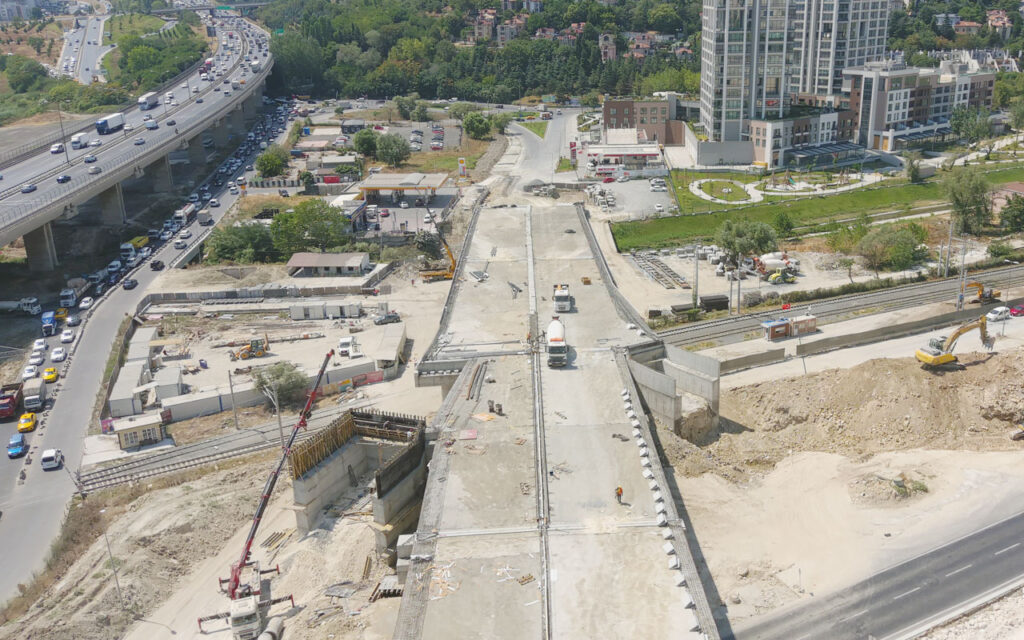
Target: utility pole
x,y
696,272
63,143
234,405
963,274
113,566
949,246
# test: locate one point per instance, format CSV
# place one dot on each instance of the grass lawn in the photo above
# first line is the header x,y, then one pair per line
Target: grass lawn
x,y
111,64
539,128
445,161
564,164
725,191
132,24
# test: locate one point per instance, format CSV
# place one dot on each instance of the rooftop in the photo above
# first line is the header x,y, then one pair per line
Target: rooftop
x,y
307,260
404,181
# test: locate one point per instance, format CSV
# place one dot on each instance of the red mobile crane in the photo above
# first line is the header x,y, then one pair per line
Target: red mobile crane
x,y
248,612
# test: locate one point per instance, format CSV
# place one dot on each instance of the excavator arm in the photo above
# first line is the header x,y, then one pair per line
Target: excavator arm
x,y
981,324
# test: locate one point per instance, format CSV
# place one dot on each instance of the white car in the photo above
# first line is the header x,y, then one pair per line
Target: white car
x,y
995,315
67,335
29,372
659,208
51,459
144,253
37,358
39,344
404,204
58,354
185,233
85,304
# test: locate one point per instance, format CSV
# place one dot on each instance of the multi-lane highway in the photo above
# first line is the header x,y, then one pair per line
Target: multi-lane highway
x,y
37,504
182,119
903,600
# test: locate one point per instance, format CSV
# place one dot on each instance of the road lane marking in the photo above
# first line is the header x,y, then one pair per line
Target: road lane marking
x,y
852,616
1012,546
907,593
964,568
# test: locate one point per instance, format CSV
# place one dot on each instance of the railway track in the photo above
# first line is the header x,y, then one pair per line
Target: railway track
x,y
834,309
194,455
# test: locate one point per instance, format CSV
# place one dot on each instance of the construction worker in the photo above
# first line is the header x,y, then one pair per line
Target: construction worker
x,y
618,494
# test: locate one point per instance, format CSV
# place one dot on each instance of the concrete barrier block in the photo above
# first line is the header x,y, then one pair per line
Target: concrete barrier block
x,y
659,507
640,443
648,474
653,485
667,534
673,563
680,580
643,451
662,520
645,461
657,496
636,431
668,549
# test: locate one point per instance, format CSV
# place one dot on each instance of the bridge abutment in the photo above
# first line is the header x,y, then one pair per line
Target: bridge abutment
x,y
196,151
40,249
160,175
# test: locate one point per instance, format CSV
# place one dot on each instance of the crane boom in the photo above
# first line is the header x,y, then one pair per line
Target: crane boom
x,y
268,489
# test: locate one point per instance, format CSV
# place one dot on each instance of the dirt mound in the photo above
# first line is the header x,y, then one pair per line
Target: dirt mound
x,y
882,405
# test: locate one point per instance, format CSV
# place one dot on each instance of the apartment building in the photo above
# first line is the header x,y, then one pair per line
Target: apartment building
x,y
756,54
16,9
509,29
899,106
606,43
811,139
999,22
483,25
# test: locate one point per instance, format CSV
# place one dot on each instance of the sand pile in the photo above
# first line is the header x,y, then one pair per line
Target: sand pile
x,y
882,405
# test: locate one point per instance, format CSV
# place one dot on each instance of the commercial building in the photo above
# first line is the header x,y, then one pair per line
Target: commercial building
x,y
898,106
656,119
757,55
806,140
16,9
614,160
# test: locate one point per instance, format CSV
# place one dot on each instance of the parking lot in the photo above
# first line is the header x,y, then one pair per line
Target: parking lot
x,y
413,217
452,134
634,200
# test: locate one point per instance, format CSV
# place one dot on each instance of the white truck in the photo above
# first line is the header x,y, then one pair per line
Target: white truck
x,y
28,305
71,294
563,299
34,394
205,218
557,347
79,141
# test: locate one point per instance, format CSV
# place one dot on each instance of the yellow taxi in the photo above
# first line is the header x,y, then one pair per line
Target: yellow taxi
x,y
50,374
27,422
61,313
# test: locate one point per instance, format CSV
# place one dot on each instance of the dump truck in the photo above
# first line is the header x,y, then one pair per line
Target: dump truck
x,y
563,299
557,347
72,294
10,400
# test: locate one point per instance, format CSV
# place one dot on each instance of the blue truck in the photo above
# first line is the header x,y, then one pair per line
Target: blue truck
x,y
49,323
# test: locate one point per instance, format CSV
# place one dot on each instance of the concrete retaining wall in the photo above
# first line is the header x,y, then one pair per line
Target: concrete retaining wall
x,y
897,330
659,393
694,374
753,360
329,481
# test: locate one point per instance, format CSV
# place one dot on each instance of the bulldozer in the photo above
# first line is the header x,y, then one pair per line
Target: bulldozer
x,y
444,273
983,295
257,348
939,352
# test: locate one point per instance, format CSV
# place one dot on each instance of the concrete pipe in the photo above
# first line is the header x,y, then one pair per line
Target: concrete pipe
x,y
274,630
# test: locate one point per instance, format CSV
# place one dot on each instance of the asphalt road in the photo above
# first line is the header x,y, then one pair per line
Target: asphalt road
x,y
901,599
89,54
42,168
38,505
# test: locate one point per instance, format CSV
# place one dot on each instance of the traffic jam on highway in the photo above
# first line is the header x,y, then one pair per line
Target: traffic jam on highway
x,y
241,54
27,400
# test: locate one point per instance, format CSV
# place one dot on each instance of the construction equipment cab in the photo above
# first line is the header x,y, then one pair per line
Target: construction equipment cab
x,y
981,294
557,347
563,299
939,353
257,348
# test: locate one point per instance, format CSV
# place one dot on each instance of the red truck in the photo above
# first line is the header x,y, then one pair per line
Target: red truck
x,y
10,399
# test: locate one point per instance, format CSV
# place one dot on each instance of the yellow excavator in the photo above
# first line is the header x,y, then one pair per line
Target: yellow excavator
x,y
939,351
433,274
981,294
257,348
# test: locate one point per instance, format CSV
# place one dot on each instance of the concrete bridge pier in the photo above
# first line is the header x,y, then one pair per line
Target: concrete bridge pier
x,y
251,105
238,120
40,249
196,151
220,133
160,175
111,201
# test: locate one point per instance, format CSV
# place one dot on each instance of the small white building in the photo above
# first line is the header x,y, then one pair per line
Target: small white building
x,y
328,264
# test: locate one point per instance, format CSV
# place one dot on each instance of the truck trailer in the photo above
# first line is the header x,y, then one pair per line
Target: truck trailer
x,y
149,100
110,124
28,305
10,400
557,347
34,397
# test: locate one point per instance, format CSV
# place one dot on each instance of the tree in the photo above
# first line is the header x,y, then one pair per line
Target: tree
x,y
243,244
970,196
419,114
36,43
460,110
874,248
365,142
23,74
308,180
500,121
1011,217
1017,119
663,18
272,162
914,168
282,383
393,149
783,223
405,105
847,263
745,238
476,125
312,224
